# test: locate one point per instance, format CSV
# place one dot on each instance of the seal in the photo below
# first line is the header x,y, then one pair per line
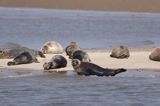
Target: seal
x,y
87,68
120,52
81,55
73,46
56,62
12,50
52,47
155,55
23,58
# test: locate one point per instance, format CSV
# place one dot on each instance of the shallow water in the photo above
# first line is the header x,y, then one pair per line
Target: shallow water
x,y
90,29
32,27
133,88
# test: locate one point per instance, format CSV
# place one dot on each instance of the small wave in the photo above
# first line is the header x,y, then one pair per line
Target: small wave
x,y
10,73
138,74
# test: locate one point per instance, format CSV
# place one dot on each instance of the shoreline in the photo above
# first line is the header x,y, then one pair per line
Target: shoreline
x,y
102,5
138,60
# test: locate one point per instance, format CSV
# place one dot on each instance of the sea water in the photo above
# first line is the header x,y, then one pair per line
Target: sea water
x,y
90,29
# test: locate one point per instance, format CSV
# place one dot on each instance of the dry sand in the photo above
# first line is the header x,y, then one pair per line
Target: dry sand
x,y
138,60
109,5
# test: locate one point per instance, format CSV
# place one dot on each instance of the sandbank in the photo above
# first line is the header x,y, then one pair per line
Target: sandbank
x,y
100,5
138,60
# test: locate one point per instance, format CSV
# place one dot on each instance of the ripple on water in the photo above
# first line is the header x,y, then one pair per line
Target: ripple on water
x,y
129,88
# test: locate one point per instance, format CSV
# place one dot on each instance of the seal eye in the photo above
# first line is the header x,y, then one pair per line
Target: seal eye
x,y
75,62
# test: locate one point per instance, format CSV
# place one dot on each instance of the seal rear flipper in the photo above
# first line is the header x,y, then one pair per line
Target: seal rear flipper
x,y
10,63
117,71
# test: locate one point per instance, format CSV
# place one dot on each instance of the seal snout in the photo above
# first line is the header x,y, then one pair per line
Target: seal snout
x,y
46,66
122,70
75,62
41,54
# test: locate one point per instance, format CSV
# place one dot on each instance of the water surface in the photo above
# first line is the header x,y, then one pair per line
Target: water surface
x,y
33,27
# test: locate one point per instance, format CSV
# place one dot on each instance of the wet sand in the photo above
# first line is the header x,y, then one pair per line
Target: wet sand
x,y
138,60
107,5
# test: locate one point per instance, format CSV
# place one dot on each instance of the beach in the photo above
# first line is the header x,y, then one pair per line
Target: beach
x,y
97,33
138,60
100,5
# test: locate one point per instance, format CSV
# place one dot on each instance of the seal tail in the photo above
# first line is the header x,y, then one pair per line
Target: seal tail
x,y
117,71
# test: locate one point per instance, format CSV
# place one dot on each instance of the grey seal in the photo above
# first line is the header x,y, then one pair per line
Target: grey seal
x,y
81,55
73,46
12,50
155,55
120,52
52,47
87,68
56,62
23,58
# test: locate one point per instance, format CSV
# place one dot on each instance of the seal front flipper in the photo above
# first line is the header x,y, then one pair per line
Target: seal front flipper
x,y
113,72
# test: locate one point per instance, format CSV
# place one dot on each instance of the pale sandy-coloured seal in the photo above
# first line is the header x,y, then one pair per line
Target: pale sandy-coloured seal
x,y
155,55
52,47
23,58
87,68
73,46
120,52
57,61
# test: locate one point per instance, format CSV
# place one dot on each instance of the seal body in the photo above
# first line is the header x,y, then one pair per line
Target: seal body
x,y
73,46
81,55
120,52
12,50
23,58
52,47
56,62
155,55
87,68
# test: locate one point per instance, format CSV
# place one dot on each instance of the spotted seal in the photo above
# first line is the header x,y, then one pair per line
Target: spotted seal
x,y
87,68
155,55
23,58
81,55
120,52
52,47
73,46
12,50
57,61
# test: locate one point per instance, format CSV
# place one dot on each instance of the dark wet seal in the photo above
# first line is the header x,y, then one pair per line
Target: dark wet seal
x,y
87,68
23,58
57,61
81,55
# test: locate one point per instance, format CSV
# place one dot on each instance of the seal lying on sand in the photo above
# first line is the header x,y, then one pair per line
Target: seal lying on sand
x,y
56,62
155,55
73,46
52,47
120,52
12,50
81,55
86,68
23,58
